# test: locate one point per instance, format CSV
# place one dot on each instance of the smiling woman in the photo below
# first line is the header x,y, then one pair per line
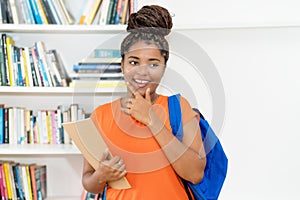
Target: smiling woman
x,y
136,127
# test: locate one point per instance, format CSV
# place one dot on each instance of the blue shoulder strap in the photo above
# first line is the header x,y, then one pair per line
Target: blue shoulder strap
x,y
175,116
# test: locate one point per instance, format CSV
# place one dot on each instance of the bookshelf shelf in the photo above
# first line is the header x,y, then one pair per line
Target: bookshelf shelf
x,y
62,29
59,90
38,149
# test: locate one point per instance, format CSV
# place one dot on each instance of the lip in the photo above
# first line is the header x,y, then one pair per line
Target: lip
x,y
141,83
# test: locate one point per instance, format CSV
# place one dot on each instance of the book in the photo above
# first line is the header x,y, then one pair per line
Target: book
x,y
33,181
5,70
59,12
7,179
41,172
59,68
107,53
10,42
41,11
87,8
3,187
35,12
98,76
98,84
2,121
93,12
91,146
97,68
89,60
67,14
54,12
18,183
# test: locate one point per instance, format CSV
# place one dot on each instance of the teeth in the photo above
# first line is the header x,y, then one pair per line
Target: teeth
x,y
141,81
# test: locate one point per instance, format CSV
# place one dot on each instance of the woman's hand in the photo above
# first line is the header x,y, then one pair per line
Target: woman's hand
x,y
139,107
111,168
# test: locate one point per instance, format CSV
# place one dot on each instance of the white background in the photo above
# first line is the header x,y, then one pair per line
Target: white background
x,y
256,50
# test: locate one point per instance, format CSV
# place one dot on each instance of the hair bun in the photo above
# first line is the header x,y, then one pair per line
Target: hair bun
x,y
152,19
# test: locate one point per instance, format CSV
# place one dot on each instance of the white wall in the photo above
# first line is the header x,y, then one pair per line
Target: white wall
x,y
259,68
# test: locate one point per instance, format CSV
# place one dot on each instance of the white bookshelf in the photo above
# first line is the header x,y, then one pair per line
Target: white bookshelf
x,y
38,149
73,43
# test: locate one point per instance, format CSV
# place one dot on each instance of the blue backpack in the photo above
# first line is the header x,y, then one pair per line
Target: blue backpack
x,y
216,161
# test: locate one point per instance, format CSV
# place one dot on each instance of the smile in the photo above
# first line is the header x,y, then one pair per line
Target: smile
x,y
141,83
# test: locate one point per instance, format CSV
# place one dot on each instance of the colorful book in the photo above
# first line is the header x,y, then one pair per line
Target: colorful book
x,y
2,121
3,186
41,11
7,180
18,183
33,181
35,11
9,47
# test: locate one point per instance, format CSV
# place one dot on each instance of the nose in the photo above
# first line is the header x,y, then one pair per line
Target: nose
x,y
143,69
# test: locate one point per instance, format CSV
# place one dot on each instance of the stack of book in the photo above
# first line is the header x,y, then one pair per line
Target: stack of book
x,y
25,126
101,69
22,181
30,66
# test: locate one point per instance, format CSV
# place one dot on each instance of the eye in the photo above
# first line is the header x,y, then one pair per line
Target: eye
x,y
133,62
153,65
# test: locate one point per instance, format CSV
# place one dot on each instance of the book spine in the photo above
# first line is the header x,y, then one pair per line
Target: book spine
x,y
14,12
93,12
26,73
53,127
9,13
6,126
59,65
42,63
2,121
3,188
35,10
29,11
48,12
69,17
54,12
33,181
41,11
17,181
36,66
29,182
5,75
7,180
9,48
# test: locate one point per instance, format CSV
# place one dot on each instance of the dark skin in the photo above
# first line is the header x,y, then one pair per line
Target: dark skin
x,y
143,67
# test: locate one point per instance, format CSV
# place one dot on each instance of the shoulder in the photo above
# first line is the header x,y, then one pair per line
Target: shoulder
x,y
187,111
104,108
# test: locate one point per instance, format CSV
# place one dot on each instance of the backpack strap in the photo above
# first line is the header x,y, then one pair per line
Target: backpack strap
x,y
175,116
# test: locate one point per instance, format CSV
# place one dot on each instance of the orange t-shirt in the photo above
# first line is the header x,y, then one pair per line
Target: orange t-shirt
x,y
148,170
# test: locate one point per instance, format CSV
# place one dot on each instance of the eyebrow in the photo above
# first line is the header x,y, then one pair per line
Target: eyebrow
x,y
150,59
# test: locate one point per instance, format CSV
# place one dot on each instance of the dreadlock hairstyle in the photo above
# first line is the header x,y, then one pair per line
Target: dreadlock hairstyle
x,y
150,24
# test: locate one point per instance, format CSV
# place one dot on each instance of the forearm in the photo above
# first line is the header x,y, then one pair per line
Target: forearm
x,y
186,158
92,183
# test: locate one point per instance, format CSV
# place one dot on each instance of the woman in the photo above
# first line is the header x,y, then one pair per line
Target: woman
x,y
137,127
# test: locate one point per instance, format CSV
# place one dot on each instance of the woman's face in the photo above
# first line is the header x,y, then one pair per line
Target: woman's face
x,y
143,67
